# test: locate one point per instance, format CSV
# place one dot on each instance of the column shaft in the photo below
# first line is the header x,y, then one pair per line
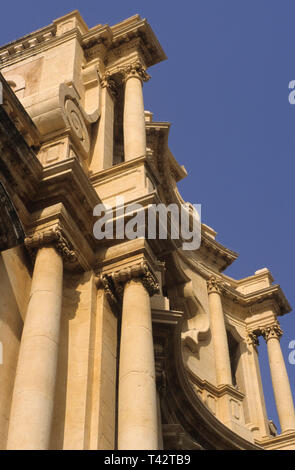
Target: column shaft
x,y
33,396
254,390
219,336
138,426
281,385
134,120
104,139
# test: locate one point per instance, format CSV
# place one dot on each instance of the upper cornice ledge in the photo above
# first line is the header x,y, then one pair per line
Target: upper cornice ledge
x,y
110,36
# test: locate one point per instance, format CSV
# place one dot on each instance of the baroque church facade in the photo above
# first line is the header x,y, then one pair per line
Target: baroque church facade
x,y
123,343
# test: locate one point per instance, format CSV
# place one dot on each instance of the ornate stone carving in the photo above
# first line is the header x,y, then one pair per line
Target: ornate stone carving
x,y
109,83
135,70
252,338
114,283
54,237
76,118
105,282
213,285
77,123
150,283
272,331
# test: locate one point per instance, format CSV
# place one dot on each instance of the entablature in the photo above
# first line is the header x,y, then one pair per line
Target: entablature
x,y
18,115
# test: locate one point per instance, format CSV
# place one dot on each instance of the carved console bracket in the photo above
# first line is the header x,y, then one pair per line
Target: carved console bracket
x,y
76,118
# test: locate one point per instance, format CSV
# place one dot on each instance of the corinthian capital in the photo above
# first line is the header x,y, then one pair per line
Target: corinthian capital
x,y
51,237
272,331
252,338
141,272
109,83
114,283
213,285
135,70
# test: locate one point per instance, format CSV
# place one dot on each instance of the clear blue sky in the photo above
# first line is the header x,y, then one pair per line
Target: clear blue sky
x,y
225,90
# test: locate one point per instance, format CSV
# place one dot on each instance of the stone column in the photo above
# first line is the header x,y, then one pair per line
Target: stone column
x,y
219,336
254,389
137,419
134,120
34,387
104,141
279,376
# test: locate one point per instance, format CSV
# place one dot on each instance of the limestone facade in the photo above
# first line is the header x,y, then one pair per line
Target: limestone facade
x,y
123,343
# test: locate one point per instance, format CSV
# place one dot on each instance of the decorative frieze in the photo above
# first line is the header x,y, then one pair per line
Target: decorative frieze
x,y
52,236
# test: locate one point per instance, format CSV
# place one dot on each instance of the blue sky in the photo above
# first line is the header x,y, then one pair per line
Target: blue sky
x,y
225,90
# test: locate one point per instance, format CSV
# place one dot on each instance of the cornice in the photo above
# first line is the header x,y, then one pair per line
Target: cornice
x,y
11,56
65,183
97,35
170,172
121,168
277,442
118,256
160,247
157,137
20,170
112,37
136,27
216,391
272,293
225,254
18,115
26,44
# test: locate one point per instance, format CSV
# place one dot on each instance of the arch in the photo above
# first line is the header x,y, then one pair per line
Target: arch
x,y
180,406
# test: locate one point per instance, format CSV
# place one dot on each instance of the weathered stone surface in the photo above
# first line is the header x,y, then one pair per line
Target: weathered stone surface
x,y
120,343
